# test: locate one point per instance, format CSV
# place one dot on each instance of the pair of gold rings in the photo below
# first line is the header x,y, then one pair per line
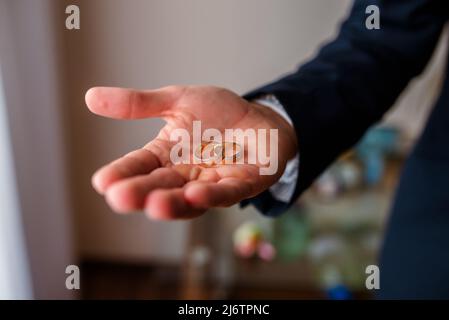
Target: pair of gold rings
x,y
211,153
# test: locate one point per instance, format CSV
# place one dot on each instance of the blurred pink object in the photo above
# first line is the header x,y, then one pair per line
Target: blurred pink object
x,y
266,251
246,250
247,238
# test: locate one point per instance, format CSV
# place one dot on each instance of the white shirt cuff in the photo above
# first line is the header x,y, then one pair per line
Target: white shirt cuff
x,y
284,189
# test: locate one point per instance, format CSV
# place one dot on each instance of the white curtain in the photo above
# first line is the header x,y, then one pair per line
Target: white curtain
x,y
14,274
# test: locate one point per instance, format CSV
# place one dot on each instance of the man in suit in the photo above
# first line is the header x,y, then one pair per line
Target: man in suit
x,y
320,111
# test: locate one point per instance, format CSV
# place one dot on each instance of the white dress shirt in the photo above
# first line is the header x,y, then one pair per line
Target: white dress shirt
x,y
283,189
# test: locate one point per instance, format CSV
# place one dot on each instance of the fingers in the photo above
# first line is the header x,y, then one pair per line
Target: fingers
x,y
138,162
120,103
170,204
129,195
165,195
225,192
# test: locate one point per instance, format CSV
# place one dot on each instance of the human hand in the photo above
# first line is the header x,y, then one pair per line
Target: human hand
x,y
146,179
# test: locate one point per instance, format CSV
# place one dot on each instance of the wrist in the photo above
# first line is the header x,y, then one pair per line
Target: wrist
x,y
288,142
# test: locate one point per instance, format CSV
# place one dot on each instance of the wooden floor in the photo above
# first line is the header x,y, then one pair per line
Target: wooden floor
x,y
112,280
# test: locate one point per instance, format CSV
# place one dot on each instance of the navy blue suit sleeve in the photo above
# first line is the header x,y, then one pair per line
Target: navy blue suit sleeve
x,y
351,82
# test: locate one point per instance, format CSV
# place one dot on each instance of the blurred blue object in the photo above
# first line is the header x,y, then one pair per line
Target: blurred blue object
x,y
372,149
374,166
384,138
339,292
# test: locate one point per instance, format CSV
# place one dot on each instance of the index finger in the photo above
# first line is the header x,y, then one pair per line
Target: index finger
x,y
138,162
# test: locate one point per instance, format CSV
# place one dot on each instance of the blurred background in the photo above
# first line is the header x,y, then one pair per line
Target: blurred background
x,y
50,145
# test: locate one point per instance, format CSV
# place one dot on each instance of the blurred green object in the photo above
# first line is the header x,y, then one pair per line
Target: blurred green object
x,y
291,234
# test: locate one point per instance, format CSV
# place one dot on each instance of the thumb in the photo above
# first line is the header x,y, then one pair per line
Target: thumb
x,y
121,103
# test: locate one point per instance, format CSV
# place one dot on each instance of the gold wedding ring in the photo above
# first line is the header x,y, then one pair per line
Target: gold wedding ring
x,y
212,153
228,151
205,153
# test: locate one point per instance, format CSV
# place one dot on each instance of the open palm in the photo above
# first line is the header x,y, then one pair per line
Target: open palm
x,y
146,179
